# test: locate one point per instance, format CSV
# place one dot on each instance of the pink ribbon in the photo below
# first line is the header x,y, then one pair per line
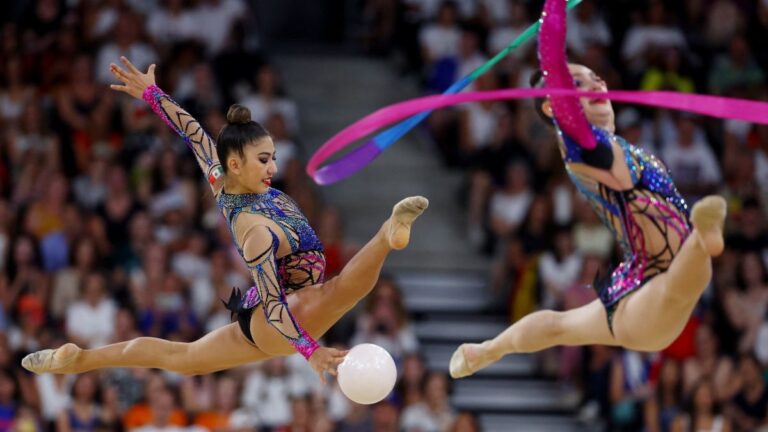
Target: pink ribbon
x,y
713,106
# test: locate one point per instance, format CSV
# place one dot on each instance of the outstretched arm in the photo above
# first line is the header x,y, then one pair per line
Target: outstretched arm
x,y
567,109
142,86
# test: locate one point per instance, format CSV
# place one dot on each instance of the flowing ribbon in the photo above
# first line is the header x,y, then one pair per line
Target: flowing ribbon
x,y
366,153
714,106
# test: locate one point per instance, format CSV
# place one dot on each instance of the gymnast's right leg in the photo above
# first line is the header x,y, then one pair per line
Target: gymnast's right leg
x,y
655,315
586,325
221,349
319,307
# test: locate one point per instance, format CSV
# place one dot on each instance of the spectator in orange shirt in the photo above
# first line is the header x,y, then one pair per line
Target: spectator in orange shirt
x,y
226,416
159,407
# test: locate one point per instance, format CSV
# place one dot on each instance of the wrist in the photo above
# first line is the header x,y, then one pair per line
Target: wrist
x,y
151,94
309,350
305,345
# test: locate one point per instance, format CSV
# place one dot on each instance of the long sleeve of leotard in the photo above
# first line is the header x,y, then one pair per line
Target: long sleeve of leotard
x,y
189,129
259,246
552,56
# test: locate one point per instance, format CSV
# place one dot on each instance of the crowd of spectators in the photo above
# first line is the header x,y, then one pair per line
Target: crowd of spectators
x,y
108,231
547,242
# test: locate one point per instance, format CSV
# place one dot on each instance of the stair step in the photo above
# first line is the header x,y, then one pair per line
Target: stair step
x,y
418,302
442,282
433,260
508,395
459,331
528,423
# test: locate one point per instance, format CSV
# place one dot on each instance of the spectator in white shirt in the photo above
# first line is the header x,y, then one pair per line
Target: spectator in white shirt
x,y
214,21
440,40
515,23
172,23
509,205
268,391
91,321
268,99
385,322
434,414
127,43
691,160
654,33
559,268
586,27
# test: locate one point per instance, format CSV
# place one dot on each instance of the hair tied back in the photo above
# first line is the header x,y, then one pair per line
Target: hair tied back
x,y
238,114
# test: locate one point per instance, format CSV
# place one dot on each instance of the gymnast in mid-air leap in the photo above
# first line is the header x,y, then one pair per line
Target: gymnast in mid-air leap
x,y
649,297
289,305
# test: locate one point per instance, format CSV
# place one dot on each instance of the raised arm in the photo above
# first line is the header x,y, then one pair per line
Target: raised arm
x,y
567,109
142,86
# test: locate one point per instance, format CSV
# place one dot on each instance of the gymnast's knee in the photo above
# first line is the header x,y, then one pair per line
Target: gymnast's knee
x,y
552,322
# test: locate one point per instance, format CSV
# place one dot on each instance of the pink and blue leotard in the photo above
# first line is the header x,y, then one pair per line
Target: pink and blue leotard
x,y
650,219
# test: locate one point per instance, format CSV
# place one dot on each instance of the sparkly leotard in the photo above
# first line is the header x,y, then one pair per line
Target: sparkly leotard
x,y
651,204
254,221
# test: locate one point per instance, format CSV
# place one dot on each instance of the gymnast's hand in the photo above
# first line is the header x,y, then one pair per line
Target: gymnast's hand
x,y
134,81
326,360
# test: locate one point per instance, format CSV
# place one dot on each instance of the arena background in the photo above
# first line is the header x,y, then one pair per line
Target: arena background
x,y
108,231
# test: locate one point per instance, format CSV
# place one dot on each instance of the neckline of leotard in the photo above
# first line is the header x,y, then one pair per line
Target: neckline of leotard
x,y
231,201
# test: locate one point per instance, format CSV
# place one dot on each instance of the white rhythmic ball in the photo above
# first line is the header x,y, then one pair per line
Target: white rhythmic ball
x,y
367,374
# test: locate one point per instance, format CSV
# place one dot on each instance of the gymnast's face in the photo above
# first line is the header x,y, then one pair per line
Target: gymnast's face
x,y
599,112
255,169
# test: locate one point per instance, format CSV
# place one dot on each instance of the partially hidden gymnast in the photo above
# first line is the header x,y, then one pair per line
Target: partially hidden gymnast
x,y
647,300
289,305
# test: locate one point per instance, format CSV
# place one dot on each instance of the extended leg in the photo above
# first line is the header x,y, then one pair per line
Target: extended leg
x,y
586,325
320,306
654,316
361,273
223,348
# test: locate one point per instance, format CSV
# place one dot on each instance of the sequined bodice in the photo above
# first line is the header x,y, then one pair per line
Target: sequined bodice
x,y
650,220
305,264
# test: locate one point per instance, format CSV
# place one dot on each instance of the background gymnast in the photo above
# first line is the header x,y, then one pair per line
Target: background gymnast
x,y
275,240
649,297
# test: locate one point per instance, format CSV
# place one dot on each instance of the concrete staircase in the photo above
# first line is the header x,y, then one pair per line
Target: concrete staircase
x,y
443,280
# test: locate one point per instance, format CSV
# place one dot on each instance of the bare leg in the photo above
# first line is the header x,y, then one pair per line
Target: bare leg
x,y
320,306
654,316
223,348
362,272
586,325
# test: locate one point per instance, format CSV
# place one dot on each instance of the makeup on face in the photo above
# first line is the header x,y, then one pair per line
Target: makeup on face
x,y
265,158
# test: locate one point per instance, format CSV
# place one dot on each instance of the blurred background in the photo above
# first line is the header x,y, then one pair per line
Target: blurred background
x,y
108,231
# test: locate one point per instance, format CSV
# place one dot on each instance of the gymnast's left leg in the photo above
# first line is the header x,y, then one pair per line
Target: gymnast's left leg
x,y
586,325
651,318
322,306
223,348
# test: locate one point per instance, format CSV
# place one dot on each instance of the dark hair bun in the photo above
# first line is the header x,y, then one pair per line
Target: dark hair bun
x,y
238,114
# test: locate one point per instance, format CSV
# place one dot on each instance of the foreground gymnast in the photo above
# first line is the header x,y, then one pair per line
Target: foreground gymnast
x,y
275,240
648,299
